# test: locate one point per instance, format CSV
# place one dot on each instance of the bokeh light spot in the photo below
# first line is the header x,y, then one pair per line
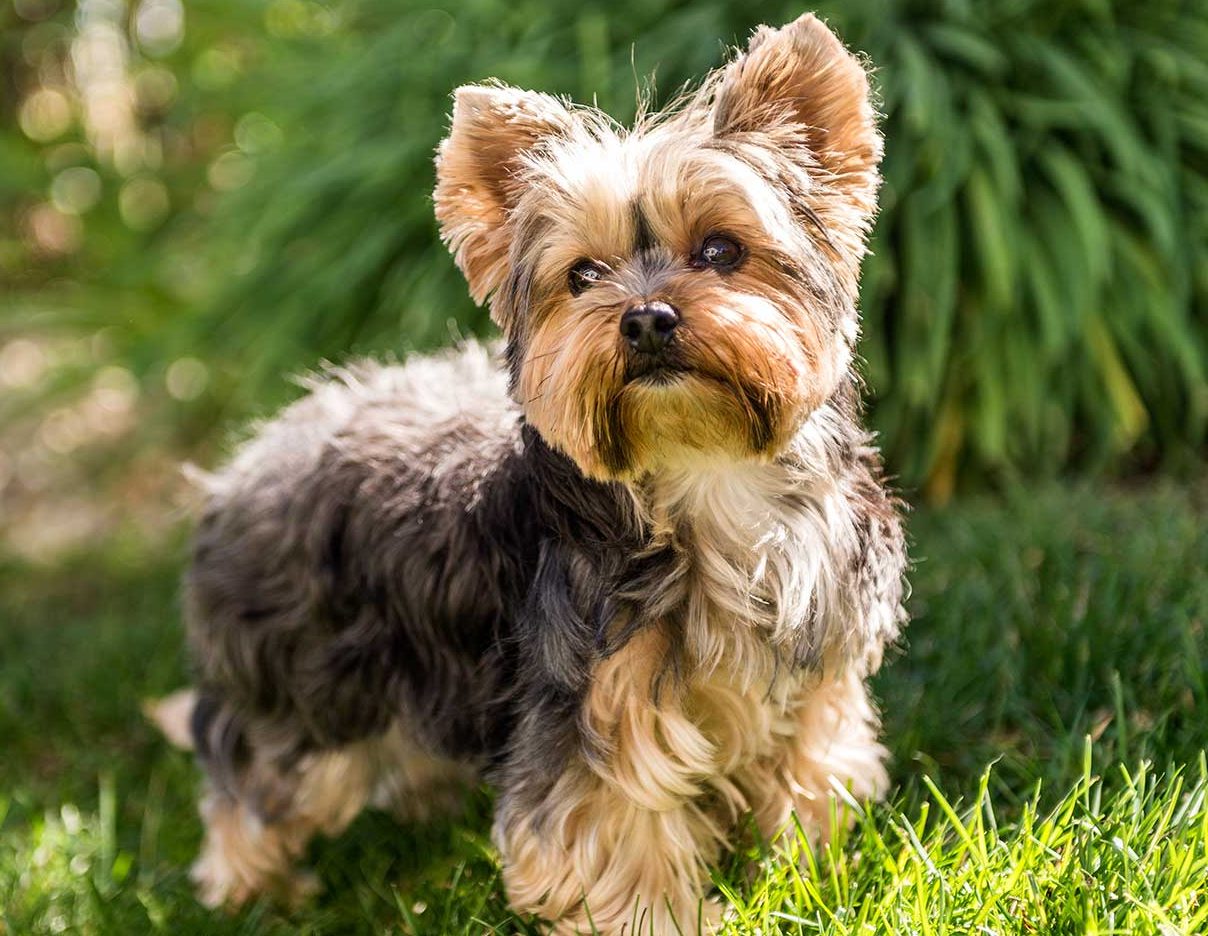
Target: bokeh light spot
x,y
22,363
186,378
216,68
229,171
255,133
295,18
160,26
143,203
45,115
52,231
155,89
35,10
62,431
76,190
119,383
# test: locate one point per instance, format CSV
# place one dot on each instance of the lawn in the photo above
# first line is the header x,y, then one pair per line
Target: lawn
x,y
1047,713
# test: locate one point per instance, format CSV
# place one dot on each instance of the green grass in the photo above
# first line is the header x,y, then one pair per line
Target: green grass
x,y
1041,620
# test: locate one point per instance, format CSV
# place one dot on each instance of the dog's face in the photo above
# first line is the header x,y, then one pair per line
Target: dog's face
x,y
684,288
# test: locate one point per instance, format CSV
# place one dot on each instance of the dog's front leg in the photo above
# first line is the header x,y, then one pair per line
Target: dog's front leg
x,y
831,743
592,860
619,841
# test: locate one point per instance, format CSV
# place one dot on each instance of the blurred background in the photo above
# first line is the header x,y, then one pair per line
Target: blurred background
x,y
196,202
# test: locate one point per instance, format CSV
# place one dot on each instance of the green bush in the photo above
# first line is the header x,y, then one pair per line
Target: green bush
x,y
1038,294
1036,299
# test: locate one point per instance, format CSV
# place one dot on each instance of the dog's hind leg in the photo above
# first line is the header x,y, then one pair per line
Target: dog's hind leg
x,y
259,812
255,835
415,785
259,817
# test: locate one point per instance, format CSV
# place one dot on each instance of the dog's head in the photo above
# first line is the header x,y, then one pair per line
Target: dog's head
x,y
685,287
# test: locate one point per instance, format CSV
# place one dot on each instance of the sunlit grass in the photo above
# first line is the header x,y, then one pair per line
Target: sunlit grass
x,y
1047,719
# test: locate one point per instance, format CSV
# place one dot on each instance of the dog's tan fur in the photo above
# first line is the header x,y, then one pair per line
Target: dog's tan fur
x,y
673,767
243,856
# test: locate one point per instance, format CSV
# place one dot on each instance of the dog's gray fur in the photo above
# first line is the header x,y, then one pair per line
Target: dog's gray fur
x,y
398,546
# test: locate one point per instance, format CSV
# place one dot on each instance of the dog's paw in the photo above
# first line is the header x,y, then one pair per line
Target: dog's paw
x,y
220,886
705,919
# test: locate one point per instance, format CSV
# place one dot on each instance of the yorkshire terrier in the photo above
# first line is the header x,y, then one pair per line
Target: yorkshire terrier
x,y
634,575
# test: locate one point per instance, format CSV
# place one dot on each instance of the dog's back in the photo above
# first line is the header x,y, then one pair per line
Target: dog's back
x,y
340,575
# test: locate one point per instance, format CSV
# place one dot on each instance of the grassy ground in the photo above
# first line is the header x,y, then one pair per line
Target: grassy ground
x,y
1040,622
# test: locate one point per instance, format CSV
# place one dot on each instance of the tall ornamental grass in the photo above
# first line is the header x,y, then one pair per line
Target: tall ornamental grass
x,y
1035,301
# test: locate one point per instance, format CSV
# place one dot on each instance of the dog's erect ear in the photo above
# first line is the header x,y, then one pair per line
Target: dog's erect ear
x,y
477,168
801,76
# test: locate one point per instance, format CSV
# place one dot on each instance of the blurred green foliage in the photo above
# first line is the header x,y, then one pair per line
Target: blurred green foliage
x,y
1036,301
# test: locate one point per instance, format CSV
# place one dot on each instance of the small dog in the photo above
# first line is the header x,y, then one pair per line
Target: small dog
x,y
635,576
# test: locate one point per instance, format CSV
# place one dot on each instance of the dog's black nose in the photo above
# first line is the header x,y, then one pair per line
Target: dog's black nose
x,y
648,327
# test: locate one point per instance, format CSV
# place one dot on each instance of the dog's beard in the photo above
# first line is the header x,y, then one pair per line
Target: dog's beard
x,y
735,382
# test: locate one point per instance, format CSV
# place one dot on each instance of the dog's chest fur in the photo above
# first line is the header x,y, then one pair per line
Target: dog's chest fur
x,y
712,683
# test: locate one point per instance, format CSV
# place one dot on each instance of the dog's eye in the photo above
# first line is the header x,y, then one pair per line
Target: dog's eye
x,y
720,252
585,274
